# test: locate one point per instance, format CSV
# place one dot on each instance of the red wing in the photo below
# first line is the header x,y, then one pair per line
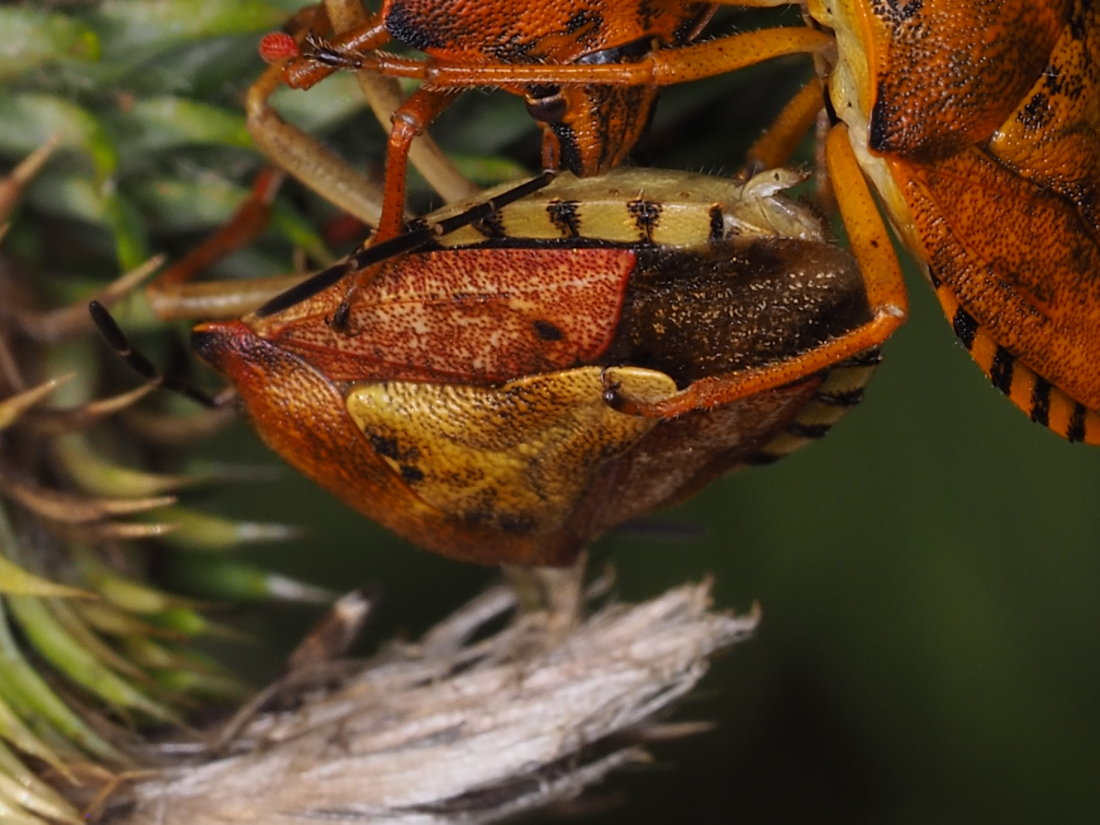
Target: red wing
x,y
466,316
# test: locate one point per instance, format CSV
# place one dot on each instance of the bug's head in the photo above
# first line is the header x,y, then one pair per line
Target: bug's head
x,y
233,349
212,342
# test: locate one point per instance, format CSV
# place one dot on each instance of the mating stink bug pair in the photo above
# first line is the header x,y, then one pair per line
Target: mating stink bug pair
x,y
976,123
454,452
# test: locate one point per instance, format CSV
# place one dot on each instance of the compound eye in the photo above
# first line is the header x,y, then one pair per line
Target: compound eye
x,y
546,103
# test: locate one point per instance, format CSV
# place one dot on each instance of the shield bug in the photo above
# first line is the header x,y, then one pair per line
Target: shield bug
x,y
983,151
986,154
602,348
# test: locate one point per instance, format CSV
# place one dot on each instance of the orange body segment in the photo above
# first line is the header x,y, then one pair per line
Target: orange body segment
x,y
980,126
943,74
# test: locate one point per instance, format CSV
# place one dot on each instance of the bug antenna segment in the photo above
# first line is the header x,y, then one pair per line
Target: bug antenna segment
x,y
112,333
403,243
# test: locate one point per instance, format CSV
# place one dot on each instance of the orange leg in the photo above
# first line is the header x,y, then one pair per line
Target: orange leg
x,y
409,122
306,158
776,146
384,97
356,50
358,31
311,162
661,68
349,18
307,72
886,296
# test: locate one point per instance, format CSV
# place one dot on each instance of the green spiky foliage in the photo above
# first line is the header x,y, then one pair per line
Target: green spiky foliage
x,y
131,111
121,137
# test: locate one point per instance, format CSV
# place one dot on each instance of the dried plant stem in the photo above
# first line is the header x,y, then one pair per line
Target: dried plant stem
x,y
452,729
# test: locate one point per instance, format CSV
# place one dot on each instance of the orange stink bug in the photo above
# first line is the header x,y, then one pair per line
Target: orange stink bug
x,y
599,349
979,127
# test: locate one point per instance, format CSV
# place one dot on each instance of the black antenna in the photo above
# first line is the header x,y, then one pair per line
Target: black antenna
x,y
405,242
113,335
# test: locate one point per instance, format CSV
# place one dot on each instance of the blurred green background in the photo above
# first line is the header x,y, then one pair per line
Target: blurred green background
x,y
927,572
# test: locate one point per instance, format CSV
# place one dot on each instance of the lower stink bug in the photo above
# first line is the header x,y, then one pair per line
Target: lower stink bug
x,y
575,360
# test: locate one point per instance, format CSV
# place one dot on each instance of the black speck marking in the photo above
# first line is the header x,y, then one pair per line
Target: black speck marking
x,y
1035,113
808,430
386,447
646,215
1000,371
1078,27
965,326
878,133
1076,429
1040,401
491,227
569,153
716,232
411,474
547,331
870,358
565,217
841,399
897,11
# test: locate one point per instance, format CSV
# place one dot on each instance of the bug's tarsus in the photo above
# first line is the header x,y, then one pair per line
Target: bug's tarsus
x,y
112,333
110,330
317,49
